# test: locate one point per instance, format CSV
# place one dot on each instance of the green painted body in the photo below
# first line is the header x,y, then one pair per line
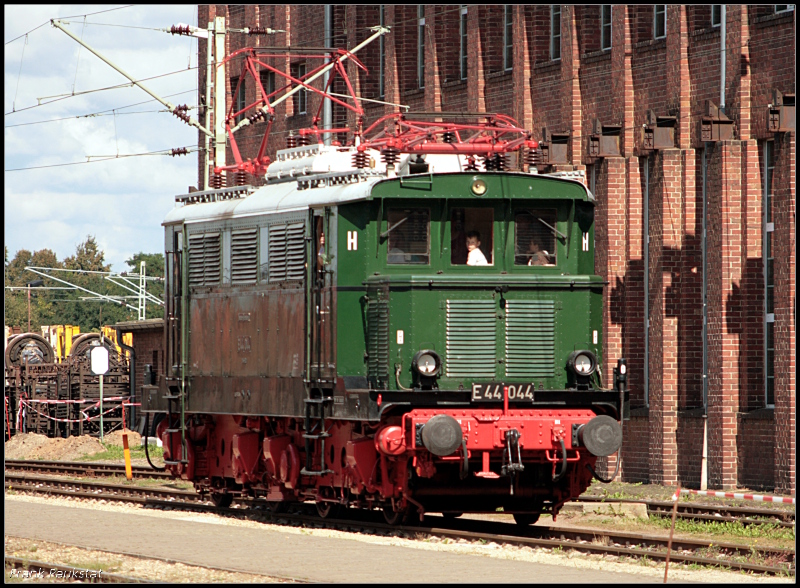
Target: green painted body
x,y
375,299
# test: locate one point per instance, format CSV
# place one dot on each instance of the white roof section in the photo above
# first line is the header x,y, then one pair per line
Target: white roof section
x,y
272,198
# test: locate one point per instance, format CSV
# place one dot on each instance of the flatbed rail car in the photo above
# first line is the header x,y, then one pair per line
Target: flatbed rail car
x,y
333,340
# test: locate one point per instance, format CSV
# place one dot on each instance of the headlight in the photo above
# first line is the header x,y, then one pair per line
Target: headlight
x,y
427,363
583,363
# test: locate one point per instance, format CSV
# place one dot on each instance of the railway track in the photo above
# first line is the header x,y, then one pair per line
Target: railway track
x,y
686,510
81,468
621,544
708,512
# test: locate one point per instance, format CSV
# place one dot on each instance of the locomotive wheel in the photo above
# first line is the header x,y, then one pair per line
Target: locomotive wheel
x,y
393,517
221,500
525,519
407,516
328,510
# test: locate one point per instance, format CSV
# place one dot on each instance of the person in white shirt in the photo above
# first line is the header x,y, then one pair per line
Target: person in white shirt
x,y
475,255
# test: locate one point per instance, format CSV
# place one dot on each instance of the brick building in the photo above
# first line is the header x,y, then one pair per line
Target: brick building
x,y
629,94
148,349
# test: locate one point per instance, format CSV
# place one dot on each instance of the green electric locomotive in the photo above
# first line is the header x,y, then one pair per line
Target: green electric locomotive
x,y
410,328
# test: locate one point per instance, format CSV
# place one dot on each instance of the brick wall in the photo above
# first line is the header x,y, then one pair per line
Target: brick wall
x,y
675,76
148,346
756,442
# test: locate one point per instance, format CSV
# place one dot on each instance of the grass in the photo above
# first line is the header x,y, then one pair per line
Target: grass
x,y
109,566
116,453
726,528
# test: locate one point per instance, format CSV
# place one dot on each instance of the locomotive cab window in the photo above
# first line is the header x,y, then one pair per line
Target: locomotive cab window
x,y
408,232
535,240
472,236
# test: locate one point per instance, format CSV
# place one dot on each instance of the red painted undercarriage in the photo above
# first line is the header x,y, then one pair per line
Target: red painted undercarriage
x,y
527,461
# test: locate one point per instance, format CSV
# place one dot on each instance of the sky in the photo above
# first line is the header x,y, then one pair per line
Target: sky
x,y
120,202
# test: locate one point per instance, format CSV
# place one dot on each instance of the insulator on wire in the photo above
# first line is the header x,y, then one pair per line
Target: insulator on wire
x,y
180,30
533,157
503,161
240,178
181,114
259,115
472,165
390,155
449,137
291,141
215,181
360,159
179,151
260,31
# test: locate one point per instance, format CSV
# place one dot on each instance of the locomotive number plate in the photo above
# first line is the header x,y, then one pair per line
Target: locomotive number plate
x,y
493,392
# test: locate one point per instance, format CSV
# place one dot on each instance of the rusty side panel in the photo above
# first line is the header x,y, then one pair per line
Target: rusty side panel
x,y
247,351
251,396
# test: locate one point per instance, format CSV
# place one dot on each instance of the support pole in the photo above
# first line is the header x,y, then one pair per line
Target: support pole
x,y
219,92
101,408
207,113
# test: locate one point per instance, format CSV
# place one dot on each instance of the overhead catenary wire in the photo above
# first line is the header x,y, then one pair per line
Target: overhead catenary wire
x,y
115,87
107,112
99,158
73,16
19,75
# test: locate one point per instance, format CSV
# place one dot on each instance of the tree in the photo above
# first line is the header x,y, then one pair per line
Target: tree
x,y
90,315
43,306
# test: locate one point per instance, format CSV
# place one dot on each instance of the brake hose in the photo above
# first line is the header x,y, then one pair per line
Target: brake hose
x,y
146,444
559,475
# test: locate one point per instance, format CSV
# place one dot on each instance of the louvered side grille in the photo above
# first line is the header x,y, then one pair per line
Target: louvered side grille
x,y
204,259
244,256
471,338
211,259
286,252
377,340
277,253
195,260
530,338
295,251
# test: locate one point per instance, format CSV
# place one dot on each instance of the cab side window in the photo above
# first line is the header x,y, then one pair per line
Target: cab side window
x,y
535,239
408,232
472,236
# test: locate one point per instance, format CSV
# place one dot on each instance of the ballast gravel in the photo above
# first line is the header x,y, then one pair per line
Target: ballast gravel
x,y
646,568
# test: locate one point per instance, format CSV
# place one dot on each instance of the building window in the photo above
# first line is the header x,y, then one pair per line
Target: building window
x,y
716,15
238,90
421,45
769,283
660,22
605,26
382,67
783,8
267,79
299,98
508,38
463,50
555,32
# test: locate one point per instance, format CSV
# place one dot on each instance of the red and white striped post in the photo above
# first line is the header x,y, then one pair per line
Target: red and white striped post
x,y
672,528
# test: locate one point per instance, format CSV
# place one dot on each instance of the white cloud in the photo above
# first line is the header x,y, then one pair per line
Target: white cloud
x,y
120,202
